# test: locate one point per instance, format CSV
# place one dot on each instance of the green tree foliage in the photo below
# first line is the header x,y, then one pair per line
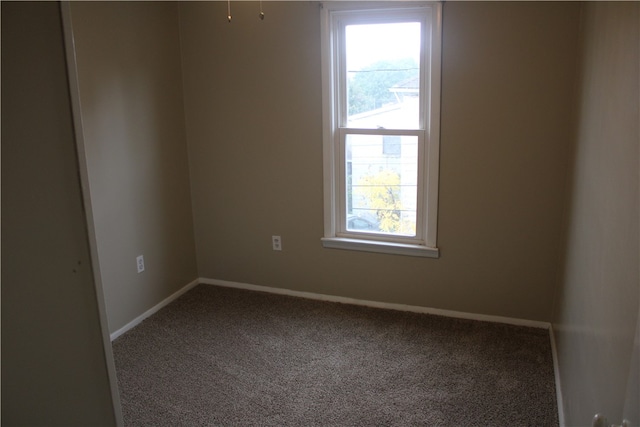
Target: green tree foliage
x,y
369,88
382,192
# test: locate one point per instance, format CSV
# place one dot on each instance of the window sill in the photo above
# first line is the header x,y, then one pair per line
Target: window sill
x,y
380,247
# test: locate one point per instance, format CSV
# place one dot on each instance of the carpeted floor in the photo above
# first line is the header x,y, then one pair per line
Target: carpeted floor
x,y
228,357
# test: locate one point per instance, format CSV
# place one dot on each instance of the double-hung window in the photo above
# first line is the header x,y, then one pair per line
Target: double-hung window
x,y
381,117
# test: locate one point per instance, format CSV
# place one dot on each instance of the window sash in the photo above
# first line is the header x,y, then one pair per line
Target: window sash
x,y
345,18
341,205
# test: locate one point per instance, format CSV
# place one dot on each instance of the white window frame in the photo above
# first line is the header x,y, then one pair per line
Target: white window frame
x,y
333,18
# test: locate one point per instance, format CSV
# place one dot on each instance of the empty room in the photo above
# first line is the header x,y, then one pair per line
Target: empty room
x,y
320,213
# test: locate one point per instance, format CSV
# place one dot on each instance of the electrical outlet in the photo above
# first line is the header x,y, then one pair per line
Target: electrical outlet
x,y
277,243
140,262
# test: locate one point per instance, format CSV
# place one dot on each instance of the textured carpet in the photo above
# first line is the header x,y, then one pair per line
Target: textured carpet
x,y
219,356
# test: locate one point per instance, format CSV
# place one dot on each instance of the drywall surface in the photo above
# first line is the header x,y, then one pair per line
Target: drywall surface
x,y
130,87
597,307
253,101
54,367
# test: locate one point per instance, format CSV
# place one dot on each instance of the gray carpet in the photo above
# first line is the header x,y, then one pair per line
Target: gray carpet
x,y
228,357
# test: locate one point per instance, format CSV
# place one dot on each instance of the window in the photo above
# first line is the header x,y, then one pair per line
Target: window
x,y
381,118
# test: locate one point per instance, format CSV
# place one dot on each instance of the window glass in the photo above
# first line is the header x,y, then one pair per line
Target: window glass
x,y
383,75
382,188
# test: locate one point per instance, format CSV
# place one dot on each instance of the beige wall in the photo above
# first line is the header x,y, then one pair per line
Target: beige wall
x,y
130,86
253,108
54,365
597,310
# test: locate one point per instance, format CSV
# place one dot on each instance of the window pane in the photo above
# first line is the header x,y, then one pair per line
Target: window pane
x,y
383,75
381,181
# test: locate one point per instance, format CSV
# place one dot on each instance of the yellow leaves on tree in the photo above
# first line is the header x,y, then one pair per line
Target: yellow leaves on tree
x,y
382,194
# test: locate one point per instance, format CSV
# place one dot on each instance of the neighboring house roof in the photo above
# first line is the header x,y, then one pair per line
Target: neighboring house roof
x,y
410,85
395,116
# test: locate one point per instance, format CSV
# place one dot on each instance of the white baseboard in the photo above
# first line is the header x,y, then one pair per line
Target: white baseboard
x,y
377,304
556,371
154,309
